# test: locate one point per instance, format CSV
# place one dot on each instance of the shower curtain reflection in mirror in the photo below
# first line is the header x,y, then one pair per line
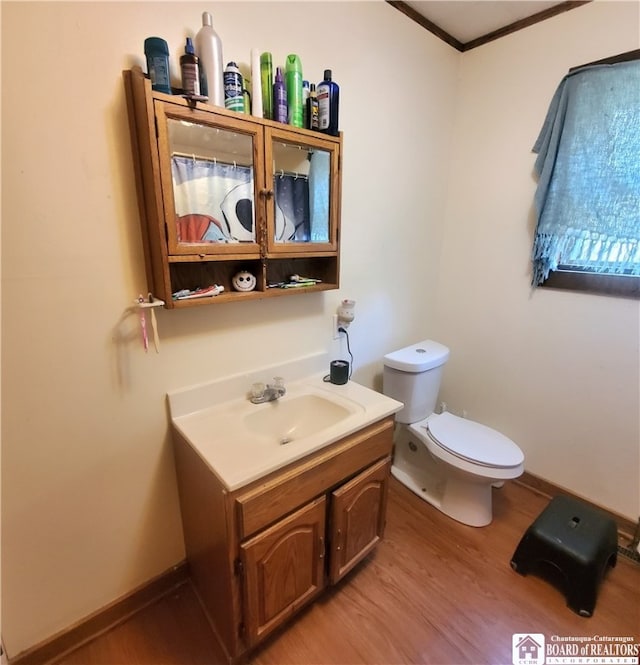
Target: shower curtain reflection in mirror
x,y
213,200
302,201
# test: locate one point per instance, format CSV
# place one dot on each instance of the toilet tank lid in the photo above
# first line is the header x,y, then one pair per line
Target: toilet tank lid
x,y
418,357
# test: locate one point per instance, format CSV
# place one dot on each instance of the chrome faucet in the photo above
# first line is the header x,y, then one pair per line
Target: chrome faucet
x,y
269,393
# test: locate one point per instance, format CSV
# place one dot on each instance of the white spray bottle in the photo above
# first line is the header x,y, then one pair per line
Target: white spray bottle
x,y
209,50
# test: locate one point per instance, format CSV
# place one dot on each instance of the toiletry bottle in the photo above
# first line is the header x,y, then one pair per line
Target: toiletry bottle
x,y
279,98
256,84
209,50
246,96
313,121
190,68
157,54
305,103
233,88
266,78
328,100
293,82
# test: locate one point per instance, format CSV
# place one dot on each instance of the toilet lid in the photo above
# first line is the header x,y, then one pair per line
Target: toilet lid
x,y
473,442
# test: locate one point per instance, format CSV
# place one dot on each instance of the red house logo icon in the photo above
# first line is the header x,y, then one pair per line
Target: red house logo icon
x,y
528,649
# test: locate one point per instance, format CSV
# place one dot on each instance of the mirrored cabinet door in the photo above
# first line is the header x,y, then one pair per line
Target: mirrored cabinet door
x,y
302,213
210,183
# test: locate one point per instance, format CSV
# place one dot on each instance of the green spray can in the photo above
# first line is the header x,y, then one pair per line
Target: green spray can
x,y
266,78
293,82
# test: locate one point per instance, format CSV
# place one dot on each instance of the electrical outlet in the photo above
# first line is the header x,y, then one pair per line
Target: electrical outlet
x,y
336,334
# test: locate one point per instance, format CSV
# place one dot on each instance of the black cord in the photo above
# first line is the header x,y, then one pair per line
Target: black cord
x,y
344,330
327,378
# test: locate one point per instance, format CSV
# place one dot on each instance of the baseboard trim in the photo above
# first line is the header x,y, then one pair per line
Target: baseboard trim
x,y
120,610
626,527
104,619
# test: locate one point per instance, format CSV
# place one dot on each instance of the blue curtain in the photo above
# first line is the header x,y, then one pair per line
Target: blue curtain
x,y
588,167
292,208
319,183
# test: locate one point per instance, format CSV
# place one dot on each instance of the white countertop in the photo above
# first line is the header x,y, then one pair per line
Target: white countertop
x,y
217,430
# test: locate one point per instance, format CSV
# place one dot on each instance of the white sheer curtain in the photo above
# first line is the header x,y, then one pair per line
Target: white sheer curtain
x,y
221,192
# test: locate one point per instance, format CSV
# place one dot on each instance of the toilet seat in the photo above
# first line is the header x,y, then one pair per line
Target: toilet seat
x,y
472,442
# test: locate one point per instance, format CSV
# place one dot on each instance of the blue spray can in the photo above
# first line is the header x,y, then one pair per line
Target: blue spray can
x,y
233,88
157,54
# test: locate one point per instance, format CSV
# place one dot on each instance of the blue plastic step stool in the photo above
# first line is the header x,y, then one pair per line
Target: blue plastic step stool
x,y
577,540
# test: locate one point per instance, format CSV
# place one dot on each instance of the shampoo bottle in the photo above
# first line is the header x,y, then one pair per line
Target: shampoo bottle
x,y
328,100
190,68
293,77
279,98
209,50
233,88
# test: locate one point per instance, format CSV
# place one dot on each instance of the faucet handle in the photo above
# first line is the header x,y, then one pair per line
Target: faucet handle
x,y
278,382
257,390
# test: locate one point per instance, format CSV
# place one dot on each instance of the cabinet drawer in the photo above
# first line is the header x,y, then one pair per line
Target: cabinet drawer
x,y
281,494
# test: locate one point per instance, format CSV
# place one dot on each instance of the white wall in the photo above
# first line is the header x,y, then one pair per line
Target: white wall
x,y
89,503
556,371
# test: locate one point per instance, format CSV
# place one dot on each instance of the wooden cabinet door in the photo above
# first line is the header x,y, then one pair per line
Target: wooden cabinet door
x,y
303,176
283,569
211,181
358,511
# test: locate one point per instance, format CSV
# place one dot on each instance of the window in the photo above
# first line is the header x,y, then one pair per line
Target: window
x,y
588,197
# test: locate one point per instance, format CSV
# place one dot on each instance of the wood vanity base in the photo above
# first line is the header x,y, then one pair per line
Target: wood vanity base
x,y
260,553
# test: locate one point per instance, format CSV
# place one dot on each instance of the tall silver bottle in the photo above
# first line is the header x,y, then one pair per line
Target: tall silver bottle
x,y
209,50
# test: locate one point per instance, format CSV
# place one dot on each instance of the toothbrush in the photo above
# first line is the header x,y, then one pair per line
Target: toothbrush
x,y
143,326
154,326
304,280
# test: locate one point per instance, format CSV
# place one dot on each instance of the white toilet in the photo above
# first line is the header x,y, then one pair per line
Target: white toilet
x,y
449,461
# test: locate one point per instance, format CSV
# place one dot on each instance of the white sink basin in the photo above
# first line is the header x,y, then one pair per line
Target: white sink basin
x,y
241,442
287,420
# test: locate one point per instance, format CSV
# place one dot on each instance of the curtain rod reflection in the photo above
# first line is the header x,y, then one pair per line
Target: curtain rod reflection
x,y
291,174
212,160
280,173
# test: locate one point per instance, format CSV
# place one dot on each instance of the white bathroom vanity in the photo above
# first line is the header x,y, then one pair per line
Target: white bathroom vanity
x,y
281,499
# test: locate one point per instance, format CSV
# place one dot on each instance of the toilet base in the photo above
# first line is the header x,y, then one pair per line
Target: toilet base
x,y
462,494
466,502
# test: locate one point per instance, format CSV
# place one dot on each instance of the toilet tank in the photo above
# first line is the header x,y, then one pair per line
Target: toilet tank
x,y
412,376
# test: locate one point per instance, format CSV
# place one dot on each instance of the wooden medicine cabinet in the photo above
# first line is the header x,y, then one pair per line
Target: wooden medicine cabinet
x,y
220,192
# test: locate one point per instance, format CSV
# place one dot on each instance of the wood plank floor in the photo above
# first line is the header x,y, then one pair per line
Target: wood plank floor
x,y
434,591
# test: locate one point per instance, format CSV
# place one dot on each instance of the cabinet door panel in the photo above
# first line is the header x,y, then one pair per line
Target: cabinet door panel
x,y
357,518
303,174
209,182
284,569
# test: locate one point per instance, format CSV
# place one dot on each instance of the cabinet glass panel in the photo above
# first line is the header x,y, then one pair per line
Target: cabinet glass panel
x,y
302,186
213,184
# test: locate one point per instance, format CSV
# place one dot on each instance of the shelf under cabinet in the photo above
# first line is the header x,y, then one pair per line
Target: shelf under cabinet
x,y
196,272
